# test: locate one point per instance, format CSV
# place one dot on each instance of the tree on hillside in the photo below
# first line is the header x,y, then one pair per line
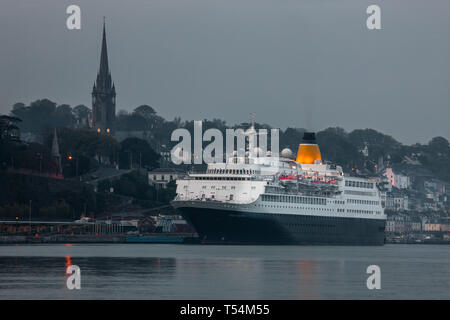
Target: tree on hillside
x,y
10,142
134,185
35,156
64,116
144,118
155,124
136,153
81,113
145,111
291,138
360,137
337,131
42,113
130,122
8,127
439,145
379,145
436,157
82,150
337,148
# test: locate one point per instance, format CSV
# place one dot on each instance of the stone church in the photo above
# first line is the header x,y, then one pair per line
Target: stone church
x,y
104,95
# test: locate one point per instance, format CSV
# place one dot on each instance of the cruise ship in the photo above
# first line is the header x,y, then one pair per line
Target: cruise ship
x,y
281,200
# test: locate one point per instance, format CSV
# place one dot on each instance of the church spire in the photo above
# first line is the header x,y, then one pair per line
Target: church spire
x,y
103,93
104,68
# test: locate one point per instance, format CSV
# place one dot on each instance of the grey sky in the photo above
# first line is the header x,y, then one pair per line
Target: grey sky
x,y
304,63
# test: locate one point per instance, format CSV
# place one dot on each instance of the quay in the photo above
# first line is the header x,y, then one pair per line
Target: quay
x,y
100,231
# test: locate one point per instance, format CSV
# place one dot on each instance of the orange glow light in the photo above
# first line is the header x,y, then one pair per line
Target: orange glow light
x,y
68,263
308,154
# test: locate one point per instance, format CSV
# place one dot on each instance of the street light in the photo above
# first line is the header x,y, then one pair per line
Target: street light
x,y
70,158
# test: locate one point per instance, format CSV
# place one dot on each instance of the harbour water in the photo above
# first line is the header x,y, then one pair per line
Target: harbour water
x,y
172,271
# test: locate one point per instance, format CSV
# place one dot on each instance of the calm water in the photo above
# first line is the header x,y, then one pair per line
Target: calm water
x,y
152,271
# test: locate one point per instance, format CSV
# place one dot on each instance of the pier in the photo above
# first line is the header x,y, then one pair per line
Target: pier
x,y
100,231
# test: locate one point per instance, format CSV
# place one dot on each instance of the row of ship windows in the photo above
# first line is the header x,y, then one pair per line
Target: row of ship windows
x,y
293,207
222,178
357,201
293,199
363,211
321,209
231,171
223,187
361,193
359,184
310,218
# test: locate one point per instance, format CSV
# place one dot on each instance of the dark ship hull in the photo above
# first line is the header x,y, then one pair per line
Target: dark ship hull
x,y
243,227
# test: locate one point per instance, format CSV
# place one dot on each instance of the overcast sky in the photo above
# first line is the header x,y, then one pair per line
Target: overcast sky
x,y
303,63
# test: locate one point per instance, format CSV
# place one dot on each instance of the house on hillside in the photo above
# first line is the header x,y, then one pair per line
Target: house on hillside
x,y
397,179
162,176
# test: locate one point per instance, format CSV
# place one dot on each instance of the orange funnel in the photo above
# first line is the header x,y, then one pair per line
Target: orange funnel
x,y
308,151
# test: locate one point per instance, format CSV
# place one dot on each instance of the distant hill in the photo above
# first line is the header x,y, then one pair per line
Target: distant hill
x,y
337,145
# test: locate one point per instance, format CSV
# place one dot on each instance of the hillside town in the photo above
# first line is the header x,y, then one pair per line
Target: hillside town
x,y
415,200
112,173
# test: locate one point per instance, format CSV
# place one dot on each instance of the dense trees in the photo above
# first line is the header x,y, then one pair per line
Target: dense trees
x,y
14,210
82,149
36,157
436,156
47,196
129,122
8,128
144,118
439,146
10,143
337,145
137,153
59,209
135,184
81,113
43,113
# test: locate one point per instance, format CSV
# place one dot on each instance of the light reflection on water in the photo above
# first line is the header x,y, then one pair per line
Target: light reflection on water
x,y
223,272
